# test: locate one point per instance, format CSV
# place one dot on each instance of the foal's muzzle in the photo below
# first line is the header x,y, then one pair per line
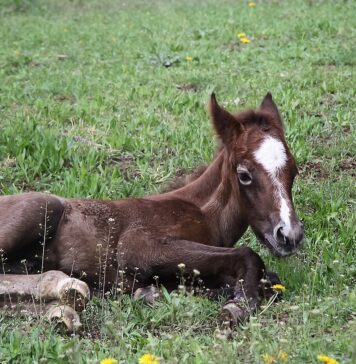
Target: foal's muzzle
x,y
287,239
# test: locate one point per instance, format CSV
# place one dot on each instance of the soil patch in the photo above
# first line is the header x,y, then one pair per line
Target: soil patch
x,y
314,169
188,87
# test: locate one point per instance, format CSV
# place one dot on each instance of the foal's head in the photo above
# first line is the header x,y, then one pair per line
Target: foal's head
x,y
262,169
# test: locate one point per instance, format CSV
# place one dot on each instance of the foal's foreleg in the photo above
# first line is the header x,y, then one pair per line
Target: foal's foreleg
x,y
247,294
240,269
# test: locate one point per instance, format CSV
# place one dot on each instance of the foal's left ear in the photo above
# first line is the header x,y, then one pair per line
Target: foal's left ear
x,y
269,106
224,123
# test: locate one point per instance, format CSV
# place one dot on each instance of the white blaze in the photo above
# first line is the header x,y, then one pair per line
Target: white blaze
x,y
272,155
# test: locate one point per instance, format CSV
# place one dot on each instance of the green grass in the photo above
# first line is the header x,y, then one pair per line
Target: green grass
x,y
90,106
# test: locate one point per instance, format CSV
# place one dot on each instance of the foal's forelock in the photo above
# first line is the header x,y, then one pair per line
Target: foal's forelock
x,y
272,156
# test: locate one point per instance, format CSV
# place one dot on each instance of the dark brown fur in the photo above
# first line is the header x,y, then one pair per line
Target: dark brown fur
x,y
195,224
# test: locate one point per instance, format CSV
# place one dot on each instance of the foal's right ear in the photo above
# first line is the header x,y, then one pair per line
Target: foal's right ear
x,y
269,105
224,123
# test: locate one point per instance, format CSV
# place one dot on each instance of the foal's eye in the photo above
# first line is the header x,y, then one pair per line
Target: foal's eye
x,y
244,177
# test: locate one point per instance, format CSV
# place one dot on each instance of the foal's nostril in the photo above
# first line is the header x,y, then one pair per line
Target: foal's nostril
x,y
279,236
290,237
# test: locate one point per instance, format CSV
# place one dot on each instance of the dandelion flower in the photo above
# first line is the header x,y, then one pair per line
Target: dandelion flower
x,y
189,58
279,287
251,4
327,360
148,359
244,40
240,35
283,356
268,359
109,361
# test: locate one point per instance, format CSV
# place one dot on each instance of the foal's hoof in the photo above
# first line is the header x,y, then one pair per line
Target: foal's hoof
x,y
74,293
64,315
149,295
232,314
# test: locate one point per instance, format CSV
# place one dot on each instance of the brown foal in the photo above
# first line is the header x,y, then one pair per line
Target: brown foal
x,y
48,240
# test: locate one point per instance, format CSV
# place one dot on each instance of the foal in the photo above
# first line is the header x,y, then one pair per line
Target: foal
x,y
126,243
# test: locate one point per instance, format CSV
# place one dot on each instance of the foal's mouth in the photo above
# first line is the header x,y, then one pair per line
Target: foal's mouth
x,y
281,250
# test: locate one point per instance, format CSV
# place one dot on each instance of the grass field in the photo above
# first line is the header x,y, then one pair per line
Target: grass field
x,y
107,99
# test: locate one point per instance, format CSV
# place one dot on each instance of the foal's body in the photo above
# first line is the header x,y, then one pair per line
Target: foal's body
x,y
127,243
154,234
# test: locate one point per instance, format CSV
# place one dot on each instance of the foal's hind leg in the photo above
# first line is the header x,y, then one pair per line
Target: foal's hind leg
x,y
52,294
54,311
45,287
148,294
27,219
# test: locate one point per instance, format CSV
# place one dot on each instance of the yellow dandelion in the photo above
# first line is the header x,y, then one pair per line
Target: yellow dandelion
x,y
244,40
268,359
109,361
241,35
283,356
279,287
251,4
327,360
189,58
149,359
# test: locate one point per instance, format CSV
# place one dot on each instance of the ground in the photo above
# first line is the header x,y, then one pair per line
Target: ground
x,y
107,99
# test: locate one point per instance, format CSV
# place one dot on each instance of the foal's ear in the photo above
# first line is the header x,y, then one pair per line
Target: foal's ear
x,y
224,123
269,106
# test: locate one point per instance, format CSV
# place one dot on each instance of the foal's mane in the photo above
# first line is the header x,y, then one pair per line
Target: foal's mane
x,y
182,179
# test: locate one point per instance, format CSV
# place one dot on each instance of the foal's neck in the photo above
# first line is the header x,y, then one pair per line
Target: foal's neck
x,y
218,197
203,189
